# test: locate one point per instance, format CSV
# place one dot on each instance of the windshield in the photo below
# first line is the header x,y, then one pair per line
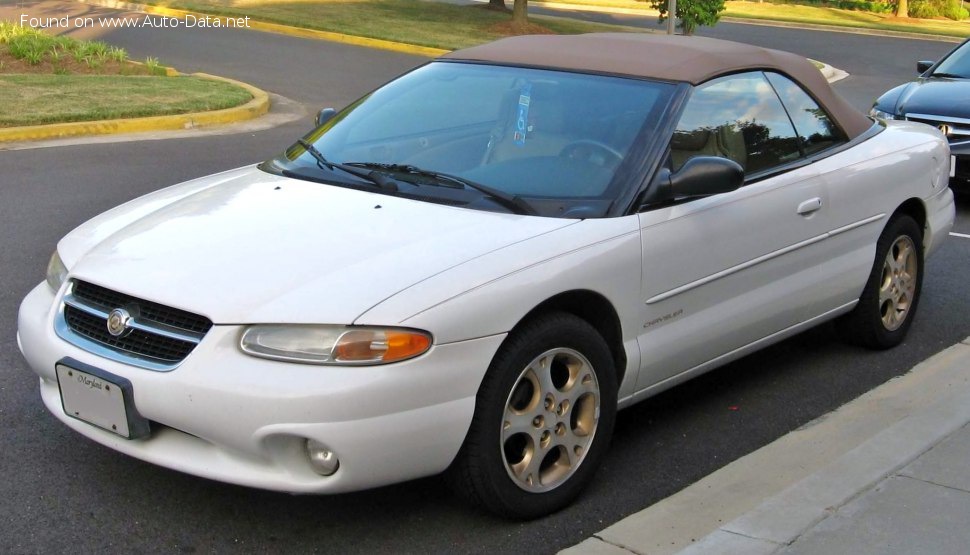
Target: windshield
x,y
956,64
555,140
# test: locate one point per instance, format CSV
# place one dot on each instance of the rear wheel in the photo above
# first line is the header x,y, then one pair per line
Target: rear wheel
x,y
543,419
888,303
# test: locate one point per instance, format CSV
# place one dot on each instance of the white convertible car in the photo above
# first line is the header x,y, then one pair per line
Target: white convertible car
x,y
470,269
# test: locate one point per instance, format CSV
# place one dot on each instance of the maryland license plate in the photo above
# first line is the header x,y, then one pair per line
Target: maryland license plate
x,y
99,398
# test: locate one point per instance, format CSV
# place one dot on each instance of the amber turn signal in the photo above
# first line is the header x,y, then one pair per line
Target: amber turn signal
x,y
380,346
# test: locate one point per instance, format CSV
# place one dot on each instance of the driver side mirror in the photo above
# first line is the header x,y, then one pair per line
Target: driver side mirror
x,y
700,176
923,65
325,115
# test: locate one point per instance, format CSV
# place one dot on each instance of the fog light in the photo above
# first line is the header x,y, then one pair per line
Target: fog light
x,y
323,460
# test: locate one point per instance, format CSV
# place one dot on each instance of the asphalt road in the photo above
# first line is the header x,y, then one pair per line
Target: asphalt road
x,y
62,492
874,63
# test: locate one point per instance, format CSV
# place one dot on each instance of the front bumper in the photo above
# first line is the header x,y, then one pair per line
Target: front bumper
x,y
227,416
961,152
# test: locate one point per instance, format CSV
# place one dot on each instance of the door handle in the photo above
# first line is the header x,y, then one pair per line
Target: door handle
x,y
809,206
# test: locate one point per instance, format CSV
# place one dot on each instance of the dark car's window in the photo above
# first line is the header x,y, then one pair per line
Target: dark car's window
x,y
814,126
551,135
957,63
737,117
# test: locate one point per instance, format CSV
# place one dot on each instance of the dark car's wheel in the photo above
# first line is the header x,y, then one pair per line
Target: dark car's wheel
x,y
888,303
543,419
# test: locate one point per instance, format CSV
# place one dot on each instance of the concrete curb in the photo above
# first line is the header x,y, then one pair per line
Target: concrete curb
x,y
277,28
258,106
769,498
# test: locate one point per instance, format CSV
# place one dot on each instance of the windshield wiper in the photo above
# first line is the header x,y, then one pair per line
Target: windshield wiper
x,y
377,178
515,203
945,74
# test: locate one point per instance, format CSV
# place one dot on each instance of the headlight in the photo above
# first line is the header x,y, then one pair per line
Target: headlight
x,y
334,345
56,272
879,114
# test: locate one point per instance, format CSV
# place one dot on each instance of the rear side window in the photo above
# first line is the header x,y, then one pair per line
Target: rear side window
x,y
737,117
816,129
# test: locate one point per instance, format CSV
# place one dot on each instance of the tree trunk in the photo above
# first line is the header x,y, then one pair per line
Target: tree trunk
x,y
902,9
497,5
520,16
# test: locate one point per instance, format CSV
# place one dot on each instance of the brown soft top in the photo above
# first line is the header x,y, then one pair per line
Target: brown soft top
x,y
666,57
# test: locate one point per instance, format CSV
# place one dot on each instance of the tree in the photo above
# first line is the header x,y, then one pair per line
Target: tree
x,y
902,8
692,13
520,14
497,5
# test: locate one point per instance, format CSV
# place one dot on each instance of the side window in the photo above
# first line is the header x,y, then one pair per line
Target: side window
x,y
815,128
737,117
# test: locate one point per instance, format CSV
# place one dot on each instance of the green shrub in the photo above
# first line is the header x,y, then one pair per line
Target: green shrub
x,y
954,11
926,9
873,6
119,55
9,30
33,56
33,46
30,48
153,66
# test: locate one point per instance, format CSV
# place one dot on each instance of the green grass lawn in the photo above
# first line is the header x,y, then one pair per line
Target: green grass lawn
x,y
55,79
846,18
819,15
450,26
410,21
38,99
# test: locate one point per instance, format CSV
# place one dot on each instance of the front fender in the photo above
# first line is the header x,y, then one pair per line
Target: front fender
x,y
491,294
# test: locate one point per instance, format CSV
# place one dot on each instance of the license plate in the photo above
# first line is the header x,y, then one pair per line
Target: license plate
x,y
99,398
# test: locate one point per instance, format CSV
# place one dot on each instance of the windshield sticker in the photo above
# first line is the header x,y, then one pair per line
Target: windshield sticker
x,y
521,122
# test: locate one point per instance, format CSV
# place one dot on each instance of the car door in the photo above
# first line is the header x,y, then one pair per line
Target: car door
x,y
724,272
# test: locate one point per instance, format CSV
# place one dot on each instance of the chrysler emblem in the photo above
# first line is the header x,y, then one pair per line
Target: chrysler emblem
x,y
945,129
118,320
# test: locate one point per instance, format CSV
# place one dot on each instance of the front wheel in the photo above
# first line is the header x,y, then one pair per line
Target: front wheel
x,y
543,419
888,302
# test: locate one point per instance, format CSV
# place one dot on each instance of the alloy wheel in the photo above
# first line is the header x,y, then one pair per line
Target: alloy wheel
x,y
898,285
550,419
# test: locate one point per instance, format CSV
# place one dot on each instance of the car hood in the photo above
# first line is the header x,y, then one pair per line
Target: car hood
x,y
251,247
935,96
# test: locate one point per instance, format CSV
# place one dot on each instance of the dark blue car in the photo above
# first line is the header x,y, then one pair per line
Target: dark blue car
x,y
939,97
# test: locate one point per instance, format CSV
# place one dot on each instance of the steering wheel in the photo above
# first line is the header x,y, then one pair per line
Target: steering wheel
x,y
593,152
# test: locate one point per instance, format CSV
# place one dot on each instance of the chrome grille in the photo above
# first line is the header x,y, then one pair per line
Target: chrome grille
x,y
153,312
959,128
159,338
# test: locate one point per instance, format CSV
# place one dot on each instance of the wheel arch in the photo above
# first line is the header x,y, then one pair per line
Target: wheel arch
x,y
596,310
915,209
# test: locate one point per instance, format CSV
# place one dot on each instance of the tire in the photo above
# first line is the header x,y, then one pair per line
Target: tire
x,y
544,417
888,303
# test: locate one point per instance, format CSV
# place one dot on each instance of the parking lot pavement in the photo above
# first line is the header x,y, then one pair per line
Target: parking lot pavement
x,y
61,490
885,473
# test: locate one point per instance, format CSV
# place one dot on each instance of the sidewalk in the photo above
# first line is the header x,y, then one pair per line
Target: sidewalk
x,y
886,473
